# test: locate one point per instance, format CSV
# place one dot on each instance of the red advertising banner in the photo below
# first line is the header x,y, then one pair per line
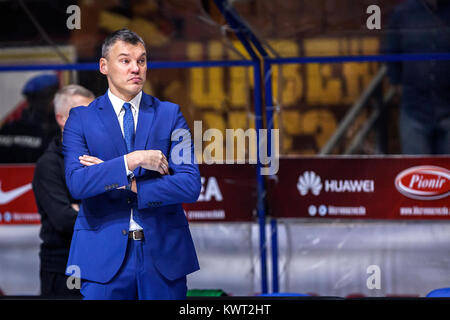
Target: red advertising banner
x,y
228,194
17,204
393,187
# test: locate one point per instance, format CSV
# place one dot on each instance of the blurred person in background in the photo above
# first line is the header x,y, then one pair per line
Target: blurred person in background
x,y
57,208
24,140
420,27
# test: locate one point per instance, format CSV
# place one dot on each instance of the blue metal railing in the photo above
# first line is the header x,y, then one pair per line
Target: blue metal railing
x,y
150,65
240,30
269,108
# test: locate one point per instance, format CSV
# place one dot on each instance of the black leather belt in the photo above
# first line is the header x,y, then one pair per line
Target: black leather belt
x,y
136,235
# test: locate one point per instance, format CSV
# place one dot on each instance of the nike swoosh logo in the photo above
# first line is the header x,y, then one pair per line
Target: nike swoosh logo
x,y
8,196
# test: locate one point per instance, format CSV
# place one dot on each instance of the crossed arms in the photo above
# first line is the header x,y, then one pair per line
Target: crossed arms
x,y
88,176
153,160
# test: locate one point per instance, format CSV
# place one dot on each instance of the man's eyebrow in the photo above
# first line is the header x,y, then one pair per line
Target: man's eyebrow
x,y
127,55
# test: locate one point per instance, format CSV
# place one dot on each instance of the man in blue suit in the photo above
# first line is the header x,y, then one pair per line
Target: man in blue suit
x,y
131,238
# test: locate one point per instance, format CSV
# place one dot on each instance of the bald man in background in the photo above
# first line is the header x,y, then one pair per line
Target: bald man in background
x,y
57,208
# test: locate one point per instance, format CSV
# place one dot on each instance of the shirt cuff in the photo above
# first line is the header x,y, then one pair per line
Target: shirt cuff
x,y
129,172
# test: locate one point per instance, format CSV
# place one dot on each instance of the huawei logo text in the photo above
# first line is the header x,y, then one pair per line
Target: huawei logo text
x,y
309,180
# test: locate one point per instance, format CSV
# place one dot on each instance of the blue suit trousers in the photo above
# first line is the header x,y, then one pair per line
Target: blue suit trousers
x,y
137,279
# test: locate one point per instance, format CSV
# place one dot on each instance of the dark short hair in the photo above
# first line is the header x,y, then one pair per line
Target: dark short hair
x,y
125,35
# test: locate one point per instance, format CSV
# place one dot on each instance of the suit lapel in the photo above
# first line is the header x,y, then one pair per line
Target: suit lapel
x,y
111,124
144,125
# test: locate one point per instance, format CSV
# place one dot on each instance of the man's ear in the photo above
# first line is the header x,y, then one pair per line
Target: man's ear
x,y
60,119
103,66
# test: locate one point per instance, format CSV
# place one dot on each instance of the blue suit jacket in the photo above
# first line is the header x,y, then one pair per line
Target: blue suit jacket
x,y
100,234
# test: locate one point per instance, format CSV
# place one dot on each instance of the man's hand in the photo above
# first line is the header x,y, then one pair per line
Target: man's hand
x,y
75,207
148,159
133,186
89,160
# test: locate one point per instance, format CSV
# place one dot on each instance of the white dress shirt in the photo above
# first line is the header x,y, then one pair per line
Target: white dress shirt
x,y
117,104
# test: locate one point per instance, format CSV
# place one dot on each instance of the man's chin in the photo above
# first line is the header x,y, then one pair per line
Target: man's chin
x,y
135,88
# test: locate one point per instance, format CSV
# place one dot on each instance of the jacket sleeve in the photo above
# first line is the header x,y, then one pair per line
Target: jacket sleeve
x,y
184,185
88,181
52,195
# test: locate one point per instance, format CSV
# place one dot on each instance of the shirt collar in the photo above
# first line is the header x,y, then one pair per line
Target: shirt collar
x,y
117,103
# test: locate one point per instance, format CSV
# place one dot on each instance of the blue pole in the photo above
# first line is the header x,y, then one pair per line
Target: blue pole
x,y
269,119
223,7
232,15
274,239
268,101
260,179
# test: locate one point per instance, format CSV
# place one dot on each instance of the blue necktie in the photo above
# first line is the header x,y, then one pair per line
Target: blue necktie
x,y
128,127
128,132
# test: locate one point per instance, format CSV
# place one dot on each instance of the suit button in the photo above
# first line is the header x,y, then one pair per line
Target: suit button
x,y
128,200
124,232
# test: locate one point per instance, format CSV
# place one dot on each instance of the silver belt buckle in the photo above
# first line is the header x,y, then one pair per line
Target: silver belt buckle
x,y
135,232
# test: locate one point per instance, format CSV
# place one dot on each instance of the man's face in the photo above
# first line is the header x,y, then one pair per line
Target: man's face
x,y
126,69
73,101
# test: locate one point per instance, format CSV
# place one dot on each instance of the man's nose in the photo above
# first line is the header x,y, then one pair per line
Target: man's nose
x,y
135,67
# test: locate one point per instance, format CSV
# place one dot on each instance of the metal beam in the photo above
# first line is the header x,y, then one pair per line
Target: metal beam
x,y
236,24
353,112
